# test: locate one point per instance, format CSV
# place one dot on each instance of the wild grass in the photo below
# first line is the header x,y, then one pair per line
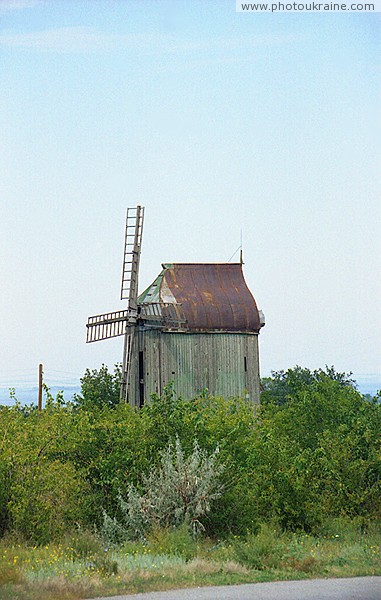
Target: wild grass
x,y
81,566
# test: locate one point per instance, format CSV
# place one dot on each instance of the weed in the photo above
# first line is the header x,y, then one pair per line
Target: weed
x,y
173,541
82,544
260,551
81,567
308,564
9,574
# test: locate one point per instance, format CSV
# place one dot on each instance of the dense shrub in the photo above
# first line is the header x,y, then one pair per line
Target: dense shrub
x,y
283,385
178,492
307,454
41,491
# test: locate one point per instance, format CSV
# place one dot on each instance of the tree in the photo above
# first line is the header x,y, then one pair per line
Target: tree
x,y
99,388
319,453
283,385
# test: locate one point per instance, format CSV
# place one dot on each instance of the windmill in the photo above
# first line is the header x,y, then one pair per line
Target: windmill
x,y
124,322
196,325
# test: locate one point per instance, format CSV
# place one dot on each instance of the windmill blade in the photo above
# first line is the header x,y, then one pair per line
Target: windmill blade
x,y
131,259
108,325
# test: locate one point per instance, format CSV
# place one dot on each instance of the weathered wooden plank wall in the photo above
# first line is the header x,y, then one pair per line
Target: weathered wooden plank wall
x,y
227,364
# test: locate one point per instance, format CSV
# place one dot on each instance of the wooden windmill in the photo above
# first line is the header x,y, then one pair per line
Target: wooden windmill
x,y
196,325
124,322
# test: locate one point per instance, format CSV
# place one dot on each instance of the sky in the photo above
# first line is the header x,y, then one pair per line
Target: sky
x,y
225,126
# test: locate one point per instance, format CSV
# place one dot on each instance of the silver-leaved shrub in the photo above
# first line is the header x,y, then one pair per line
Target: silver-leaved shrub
x,y
180,491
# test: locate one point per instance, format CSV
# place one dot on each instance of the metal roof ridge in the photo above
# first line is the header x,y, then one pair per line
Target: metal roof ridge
x,y
197,264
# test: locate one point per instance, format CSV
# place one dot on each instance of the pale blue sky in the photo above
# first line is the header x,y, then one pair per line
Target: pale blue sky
x,y
215,122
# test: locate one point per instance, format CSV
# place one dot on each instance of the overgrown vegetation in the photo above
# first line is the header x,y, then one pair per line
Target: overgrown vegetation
x,y
82,567
99,388
284,473
177,493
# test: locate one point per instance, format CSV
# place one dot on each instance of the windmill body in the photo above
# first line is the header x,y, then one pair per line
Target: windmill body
x,y
196,325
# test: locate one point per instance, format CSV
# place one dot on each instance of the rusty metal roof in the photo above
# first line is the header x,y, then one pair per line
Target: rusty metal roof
x,y
212,296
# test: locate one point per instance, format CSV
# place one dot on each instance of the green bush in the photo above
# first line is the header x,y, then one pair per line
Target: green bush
x,y
45,501
260,551
41,491
173,541
309,454
110,449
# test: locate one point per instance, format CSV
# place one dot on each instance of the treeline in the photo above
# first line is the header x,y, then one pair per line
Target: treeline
x,y
311,451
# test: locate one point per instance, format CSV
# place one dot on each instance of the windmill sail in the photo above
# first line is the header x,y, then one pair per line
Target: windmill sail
x,y
132,246
157,314
125,322
129,288
108,325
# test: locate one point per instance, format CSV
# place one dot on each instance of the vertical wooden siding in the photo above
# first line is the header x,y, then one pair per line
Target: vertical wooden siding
x,y
195,361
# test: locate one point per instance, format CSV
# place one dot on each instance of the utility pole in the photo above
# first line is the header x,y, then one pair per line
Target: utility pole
x,y
40,374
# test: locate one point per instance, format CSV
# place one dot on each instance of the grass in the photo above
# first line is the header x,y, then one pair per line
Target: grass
x,y
82,567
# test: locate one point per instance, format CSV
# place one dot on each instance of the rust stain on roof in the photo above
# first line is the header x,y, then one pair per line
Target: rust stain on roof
x,y
213,296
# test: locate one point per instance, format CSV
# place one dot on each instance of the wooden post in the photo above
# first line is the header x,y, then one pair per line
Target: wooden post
x,y
40,373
